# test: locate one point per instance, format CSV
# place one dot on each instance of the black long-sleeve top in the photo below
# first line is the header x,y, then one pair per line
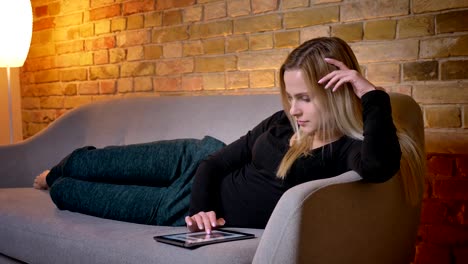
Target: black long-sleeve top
x,y
240,184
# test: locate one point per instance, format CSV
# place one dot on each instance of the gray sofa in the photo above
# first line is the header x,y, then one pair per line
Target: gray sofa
x,y
337,220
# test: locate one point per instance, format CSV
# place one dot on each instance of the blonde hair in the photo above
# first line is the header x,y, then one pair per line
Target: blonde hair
x,y
341,111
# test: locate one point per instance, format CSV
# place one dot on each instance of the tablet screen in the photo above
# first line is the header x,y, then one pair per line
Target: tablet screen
x,y
202,238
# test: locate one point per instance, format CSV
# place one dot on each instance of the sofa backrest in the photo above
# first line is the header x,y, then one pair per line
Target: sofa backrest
x,y
134,120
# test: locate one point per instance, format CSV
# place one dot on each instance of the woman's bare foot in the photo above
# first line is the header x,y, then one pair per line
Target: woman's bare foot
x,y
40,182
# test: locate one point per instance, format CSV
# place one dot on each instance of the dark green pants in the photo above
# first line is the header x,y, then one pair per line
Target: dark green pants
x,y
142,183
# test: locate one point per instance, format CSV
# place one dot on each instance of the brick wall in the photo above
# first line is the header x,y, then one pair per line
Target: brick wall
x,y
443,232
89,50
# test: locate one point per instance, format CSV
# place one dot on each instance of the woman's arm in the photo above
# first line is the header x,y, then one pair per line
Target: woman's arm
x,y
205,195
377,157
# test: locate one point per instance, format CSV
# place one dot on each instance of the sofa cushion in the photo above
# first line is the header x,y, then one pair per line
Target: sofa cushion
x,y
33,230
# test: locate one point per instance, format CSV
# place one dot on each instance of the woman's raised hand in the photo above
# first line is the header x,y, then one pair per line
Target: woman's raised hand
x,y
203,221
337,78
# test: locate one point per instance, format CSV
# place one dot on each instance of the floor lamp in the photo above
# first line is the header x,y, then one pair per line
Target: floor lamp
x,y
15,32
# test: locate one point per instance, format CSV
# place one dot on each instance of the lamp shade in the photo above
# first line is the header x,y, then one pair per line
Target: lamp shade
x,y
15,32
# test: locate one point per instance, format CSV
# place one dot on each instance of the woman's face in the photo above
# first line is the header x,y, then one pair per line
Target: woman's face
x,y
304,105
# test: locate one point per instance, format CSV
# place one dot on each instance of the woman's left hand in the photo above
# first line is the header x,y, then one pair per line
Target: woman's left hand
x,y
337,78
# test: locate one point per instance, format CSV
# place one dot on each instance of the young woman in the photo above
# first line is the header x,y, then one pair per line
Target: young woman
x,y
333,121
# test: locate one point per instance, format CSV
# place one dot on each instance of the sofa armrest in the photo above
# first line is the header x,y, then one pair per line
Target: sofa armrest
x,y
341,220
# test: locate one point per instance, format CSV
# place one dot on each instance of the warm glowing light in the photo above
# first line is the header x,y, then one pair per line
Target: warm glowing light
x,y
15,32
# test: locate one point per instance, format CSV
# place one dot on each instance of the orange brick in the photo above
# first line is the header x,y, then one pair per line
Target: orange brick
x,y
261,42
46,76
125,85
423,6
213,82
288,39
237,44
192,83
41,11
86,30
383,73
420,71
314,32
153,19
257,24
38,64
261,60
237,80
70,89
215,64
75,101
54,8
137,6
30,103
367,9
453,70
133,38
387,51
143,84
311,17
118,24
262,6
69,47
44,23
135,22
104,72
443,93
135,53
192,14
68,60
442,116
380,30
262,79
68,7
210,30
153,52
102,27
172,18
73,75
171,34
289,4
465,116
100,43
87,88
444,47
416,26
238,8
452,22
215,10
172,50
167,4
348,32
176,66
213,46
193,48
137,69
51,102
105,12
107,87
167,84
117,55
69,20
95,3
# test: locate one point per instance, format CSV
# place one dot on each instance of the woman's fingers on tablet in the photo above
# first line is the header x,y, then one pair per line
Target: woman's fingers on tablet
x,y
204,221
191,224
220,222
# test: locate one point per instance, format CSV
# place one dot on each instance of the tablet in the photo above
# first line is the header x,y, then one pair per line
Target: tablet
x,y
196,239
